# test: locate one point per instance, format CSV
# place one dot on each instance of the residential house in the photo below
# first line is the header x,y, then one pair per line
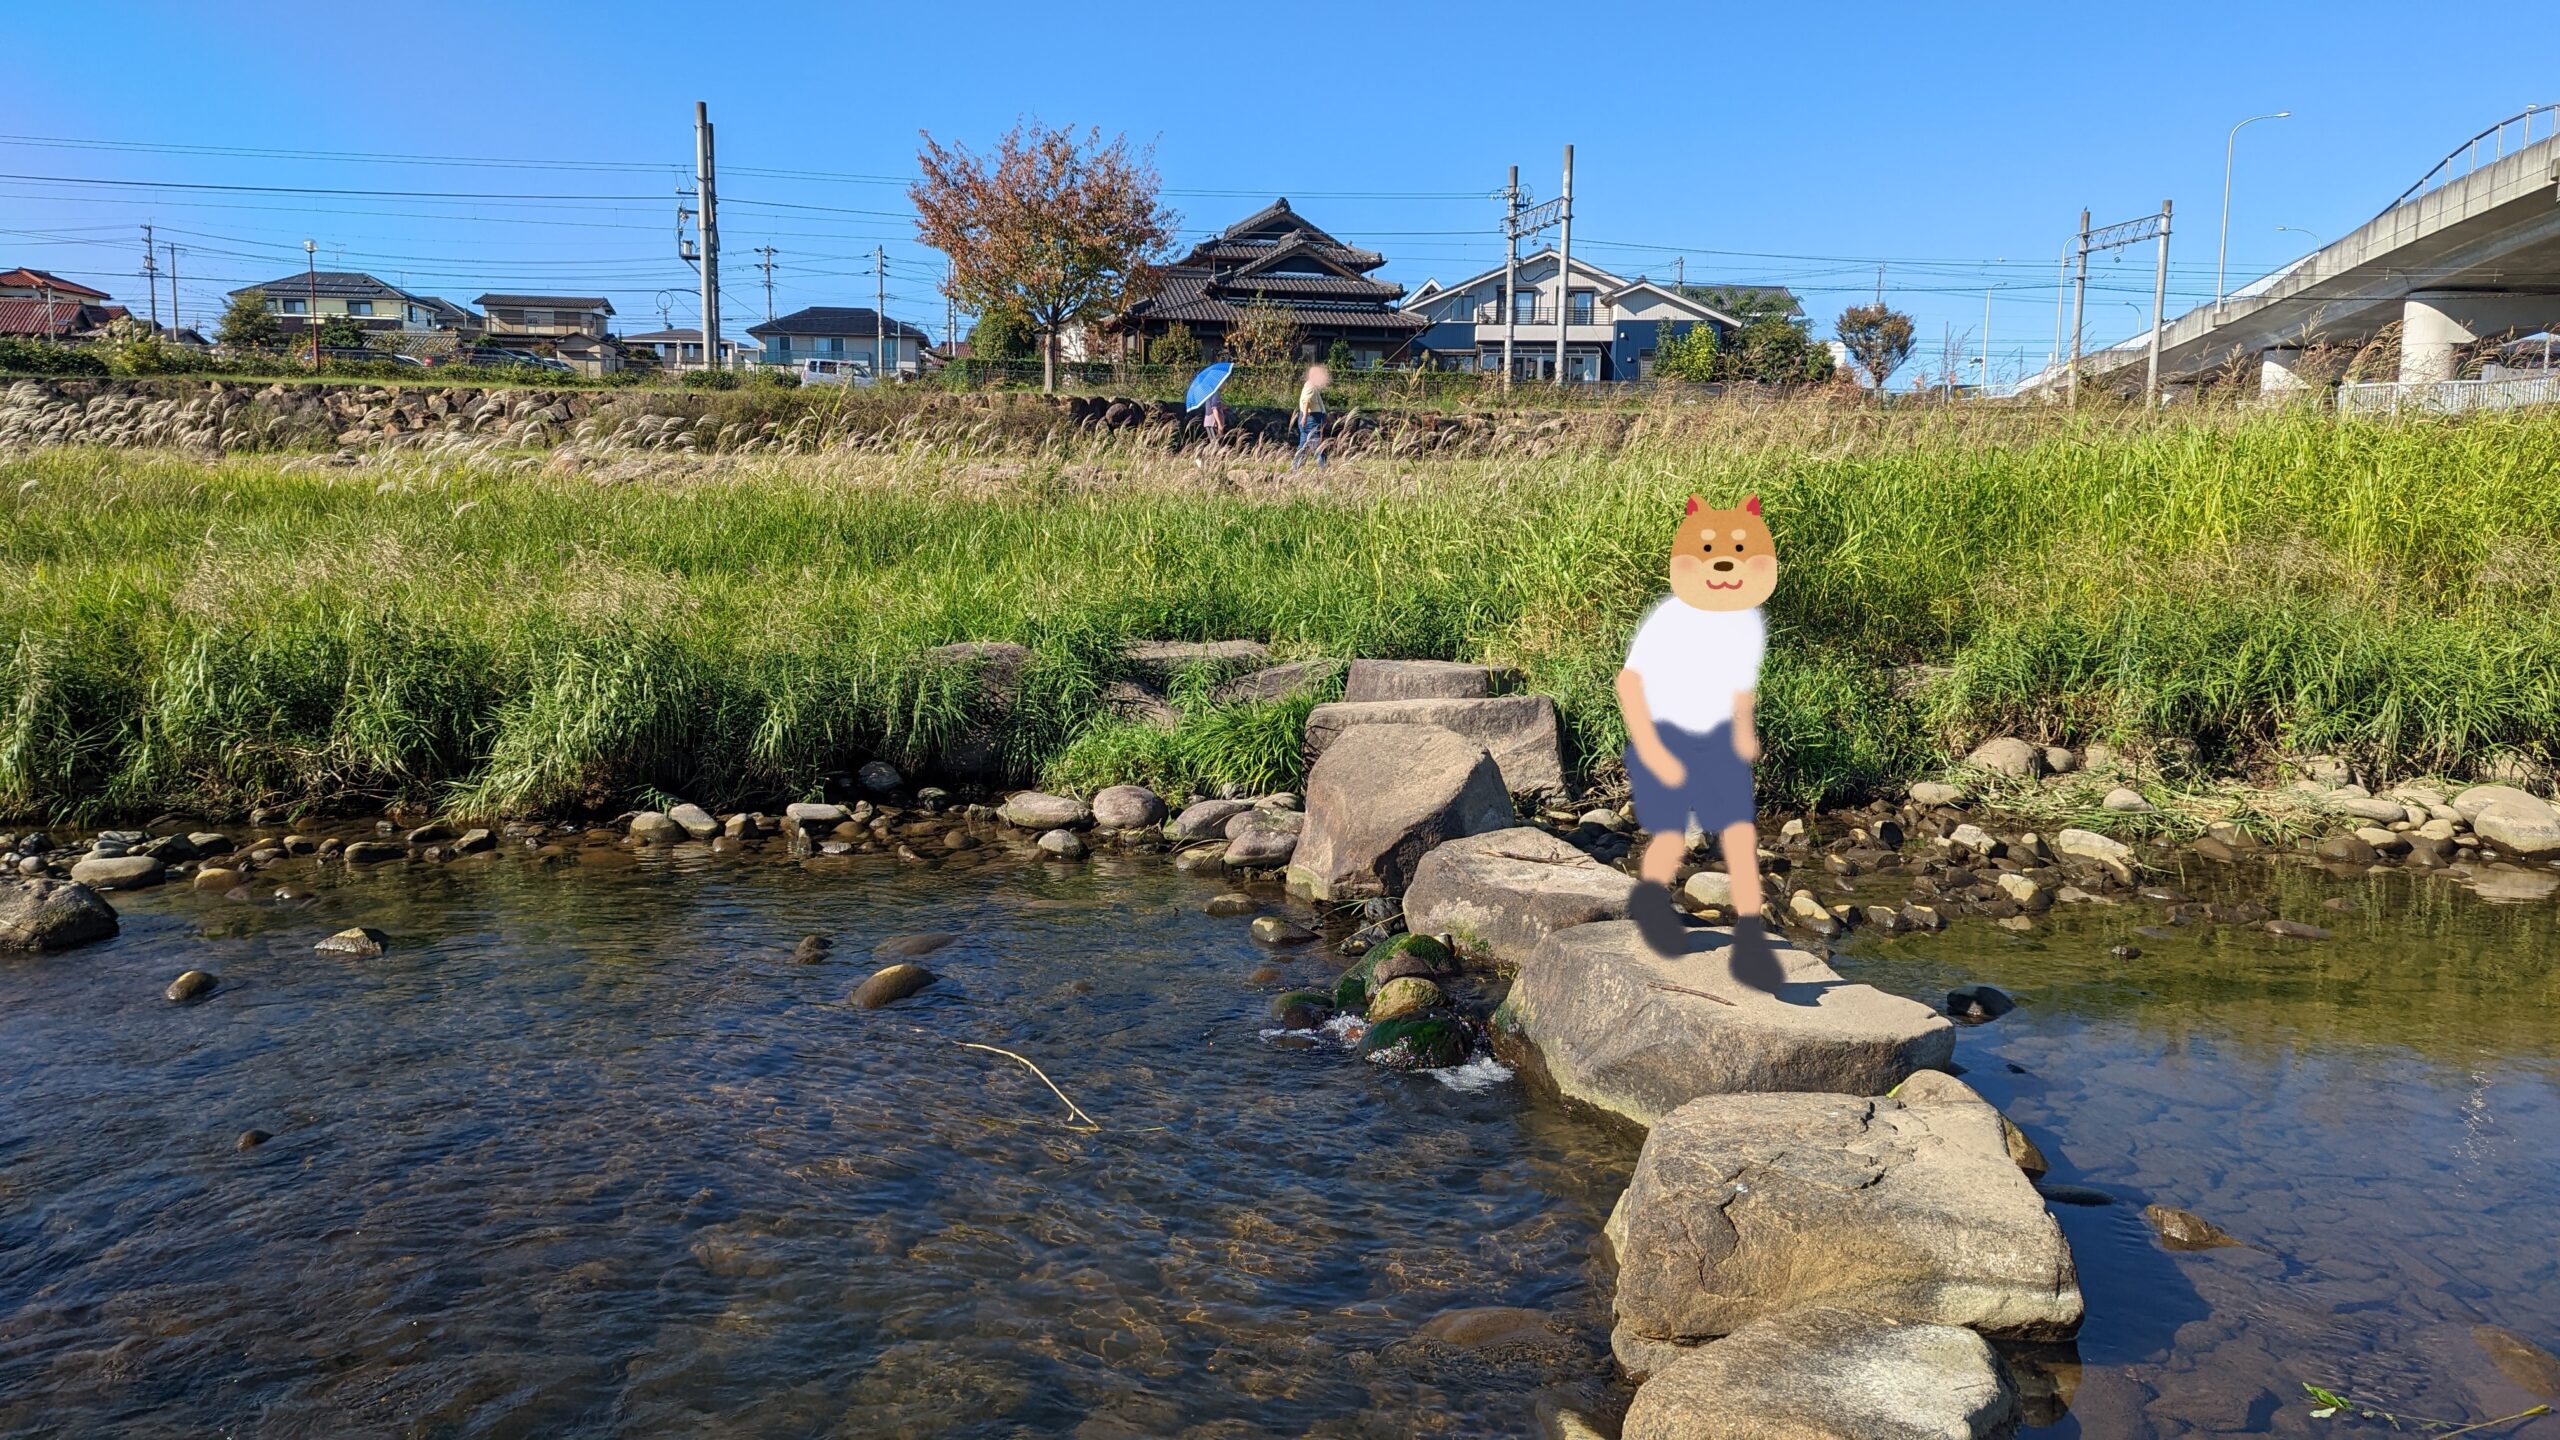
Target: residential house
x,y
1278,257
842,332
571,328
1613,326
38,304
389,315
681,349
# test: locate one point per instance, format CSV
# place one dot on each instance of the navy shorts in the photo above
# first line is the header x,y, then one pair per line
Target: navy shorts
x,y
1716,792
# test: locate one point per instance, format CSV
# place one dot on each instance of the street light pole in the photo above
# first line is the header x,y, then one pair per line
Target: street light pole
x,y
2229,144
311,300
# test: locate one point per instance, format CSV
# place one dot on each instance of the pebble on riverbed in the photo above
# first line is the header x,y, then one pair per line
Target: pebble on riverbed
x,y
191,985
355,940
890,985
811,949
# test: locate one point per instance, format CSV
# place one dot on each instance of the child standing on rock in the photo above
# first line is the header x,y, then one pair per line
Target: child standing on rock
x,y
1687,692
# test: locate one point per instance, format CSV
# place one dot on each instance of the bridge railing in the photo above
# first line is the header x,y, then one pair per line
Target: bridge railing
x,y
2486,148
2447,397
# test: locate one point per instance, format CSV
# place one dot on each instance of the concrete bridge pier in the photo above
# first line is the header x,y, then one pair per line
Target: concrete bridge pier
x,y
2280,374
2436,324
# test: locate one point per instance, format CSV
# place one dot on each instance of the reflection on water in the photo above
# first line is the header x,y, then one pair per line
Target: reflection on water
x,y
2373,1115
588,1154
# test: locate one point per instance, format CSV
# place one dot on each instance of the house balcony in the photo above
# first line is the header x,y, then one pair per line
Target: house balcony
x,y
1583,317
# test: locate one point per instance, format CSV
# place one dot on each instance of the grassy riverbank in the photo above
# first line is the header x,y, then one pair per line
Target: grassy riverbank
x,y
516,633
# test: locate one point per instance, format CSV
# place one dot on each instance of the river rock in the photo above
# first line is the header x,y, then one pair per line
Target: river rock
x,y
2525,826
1301,1009
811,817
2470,802
2184,1229
652,827
217,879
2008,755
1127,807
1065,844
1617,1028
118,872
2346,850
251,1139
2112,853
1372,680
1383,796
1280,930
696,821
1830,1372
1744,1205
1207,818
891,984
190,985
474,840
1254,844
1519,731
1230,904
1035,810
879,777
1710,888
2125,800
1504,892
1980,1002
375,852
361,940
908,946
1936,792
1428,1040
1402,996
43,914
1203,860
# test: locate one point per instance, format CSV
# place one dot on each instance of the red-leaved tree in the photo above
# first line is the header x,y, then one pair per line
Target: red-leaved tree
x,y
1067,231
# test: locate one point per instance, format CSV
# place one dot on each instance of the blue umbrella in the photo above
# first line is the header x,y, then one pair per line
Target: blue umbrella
x,y
1205,384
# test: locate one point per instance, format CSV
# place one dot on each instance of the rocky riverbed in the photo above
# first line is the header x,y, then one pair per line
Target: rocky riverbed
x,y
1812,1180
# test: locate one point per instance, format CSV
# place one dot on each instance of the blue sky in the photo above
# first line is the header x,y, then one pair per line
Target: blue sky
x,y
1803,145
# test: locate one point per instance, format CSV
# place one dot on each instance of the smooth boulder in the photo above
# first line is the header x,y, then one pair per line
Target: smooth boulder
x,y
695,820
118,872
1519,731
1382,797
52,915
891,984
1206,819
1742,1206
1502,894
1831,1372
2008,755
2522,825
1127,807
1619,1027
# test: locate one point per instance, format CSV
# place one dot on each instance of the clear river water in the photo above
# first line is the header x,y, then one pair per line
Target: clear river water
x,y
588,1153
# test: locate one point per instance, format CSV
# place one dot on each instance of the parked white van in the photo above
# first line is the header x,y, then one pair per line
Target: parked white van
x,y
835,372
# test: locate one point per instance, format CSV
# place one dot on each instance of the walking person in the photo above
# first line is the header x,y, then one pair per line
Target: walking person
x,y
1213,420
1309,415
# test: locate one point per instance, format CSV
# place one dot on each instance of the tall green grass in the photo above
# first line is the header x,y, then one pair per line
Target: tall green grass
x,y
501,634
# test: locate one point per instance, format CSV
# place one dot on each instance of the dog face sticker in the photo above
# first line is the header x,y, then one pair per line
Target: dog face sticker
x,y
1723,559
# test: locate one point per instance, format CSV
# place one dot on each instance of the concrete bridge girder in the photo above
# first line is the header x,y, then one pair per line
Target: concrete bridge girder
x,y
2436,324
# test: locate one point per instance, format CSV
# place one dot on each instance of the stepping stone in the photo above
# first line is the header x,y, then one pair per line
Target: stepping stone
x,y
1831,1372
1504,893
1383,796
1623,1029
1420,680
1520,731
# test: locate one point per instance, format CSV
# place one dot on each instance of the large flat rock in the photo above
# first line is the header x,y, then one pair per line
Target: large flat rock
x,y
1503,893
1382,797
1619,1027
51,915
1520,732
1420,680
1742,1206
1831,1372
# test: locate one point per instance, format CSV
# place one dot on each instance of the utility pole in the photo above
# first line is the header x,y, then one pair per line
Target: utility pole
x,y
1510,272
151,277
175,323
1679,271
766,265
706,199
1564,266
311,305
880,314
2079,310
2159,307
2061,283
1985,392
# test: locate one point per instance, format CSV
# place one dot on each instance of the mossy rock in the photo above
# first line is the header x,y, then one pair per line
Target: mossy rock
x,y
1351,992
1301,1009
1420,947
1431,1040
1404,955
1402,996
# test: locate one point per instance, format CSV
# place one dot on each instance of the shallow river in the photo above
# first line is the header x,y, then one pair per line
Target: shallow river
x,y
588,1154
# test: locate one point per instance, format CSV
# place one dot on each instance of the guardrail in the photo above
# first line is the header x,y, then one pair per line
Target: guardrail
x,y
2446,397
2502,139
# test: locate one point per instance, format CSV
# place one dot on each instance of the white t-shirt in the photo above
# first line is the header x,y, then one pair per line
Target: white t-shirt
x,y
1694,661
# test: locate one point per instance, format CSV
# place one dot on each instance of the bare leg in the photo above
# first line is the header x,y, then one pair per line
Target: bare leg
x,y
1657,919
1662,858
1741,845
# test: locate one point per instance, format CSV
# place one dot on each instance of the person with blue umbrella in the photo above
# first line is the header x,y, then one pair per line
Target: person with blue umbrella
x,y
1203,397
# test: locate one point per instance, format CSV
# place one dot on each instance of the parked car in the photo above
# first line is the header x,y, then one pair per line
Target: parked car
x,y
835,372
357,355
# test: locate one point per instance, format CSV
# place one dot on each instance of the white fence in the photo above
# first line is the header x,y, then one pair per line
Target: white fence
x,y
2447,397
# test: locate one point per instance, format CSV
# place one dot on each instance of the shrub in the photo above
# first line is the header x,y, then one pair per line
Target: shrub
x,y
38,357
1690,356
710,380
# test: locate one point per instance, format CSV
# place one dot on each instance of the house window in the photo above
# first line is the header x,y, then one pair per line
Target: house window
x,y
1524,307
537,319
831,345
360,307
297,307
1584,302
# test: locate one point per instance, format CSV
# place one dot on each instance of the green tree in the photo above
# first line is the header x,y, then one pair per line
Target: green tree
x,y
1176,346
1691,356
1878,338
247,324
1002,333
132,347
1263,335
1774,350
341,332
1337,357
